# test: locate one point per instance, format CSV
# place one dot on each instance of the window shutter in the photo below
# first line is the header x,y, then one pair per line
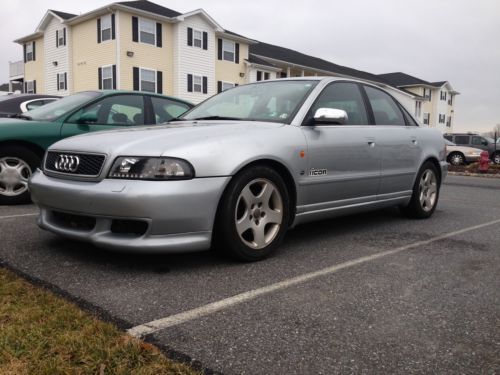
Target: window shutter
x,y
205,84
135,29
114,77
237,53
113,26
64,35
190,36
219,49
34,56
24,47
136,78
99,75
190,83
57,38
159,82
57,79
236,85
219,86
98,30
65,81
25,87
205,40
34,86
158,34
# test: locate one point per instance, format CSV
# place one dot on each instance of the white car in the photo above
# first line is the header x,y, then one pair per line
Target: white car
x,y
458,155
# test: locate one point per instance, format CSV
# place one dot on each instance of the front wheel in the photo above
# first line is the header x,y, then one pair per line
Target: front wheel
x,y
425,194
456,158
254,214
496,158
16,167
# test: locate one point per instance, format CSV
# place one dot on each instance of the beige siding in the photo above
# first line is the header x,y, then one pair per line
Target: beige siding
x,y
88,55
33,70
145,55
230,72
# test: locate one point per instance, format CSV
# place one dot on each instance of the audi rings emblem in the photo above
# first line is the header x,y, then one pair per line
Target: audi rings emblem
x,y
67,163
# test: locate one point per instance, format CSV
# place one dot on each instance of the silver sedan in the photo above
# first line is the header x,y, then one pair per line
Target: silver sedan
x,y
241,168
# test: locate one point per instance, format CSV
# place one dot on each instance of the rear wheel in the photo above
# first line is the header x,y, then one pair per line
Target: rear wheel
x,y
456,158
16,167
425,194
496,158
254,214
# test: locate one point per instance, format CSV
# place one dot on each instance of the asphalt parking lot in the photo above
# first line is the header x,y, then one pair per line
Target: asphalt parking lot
x,y
371,293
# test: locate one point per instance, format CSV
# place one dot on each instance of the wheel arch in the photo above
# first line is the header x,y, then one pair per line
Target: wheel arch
x,y
435,162
39,151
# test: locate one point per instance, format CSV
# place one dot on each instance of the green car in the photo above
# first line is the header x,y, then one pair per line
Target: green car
x,y
23,140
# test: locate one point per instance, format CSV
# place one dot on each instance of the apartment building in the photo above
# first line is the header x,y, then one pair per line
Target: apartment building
x,y
438,99
140,45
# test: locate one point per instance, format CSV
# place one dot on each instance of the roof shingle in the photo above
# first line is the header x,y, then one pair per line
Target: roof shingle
x,y
63,15
148,6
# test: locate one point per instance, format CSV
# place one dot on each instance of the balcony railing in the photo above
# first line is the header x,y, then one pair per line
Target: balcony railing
x,y
16,69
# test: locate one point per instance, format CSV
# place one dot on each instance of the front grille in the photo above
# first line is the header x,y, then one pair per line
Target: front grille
x,y
74,163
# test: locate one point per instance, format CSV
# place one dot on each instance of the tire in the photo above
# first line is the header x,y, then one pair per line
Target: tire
x,y
456,158
254,214
496,158
16,166
425,194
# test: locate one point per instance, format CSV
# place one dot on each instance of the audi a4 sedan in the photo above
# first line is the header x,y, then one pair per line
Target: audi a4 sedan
x,y
24,139
241,168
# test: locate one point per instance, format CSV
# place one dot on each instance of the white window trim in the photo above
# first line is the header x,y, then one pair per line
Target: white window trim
x,y
139,30
102,76
140,77
201,83
201,38
60,79
29,49
227,83
110,28
28,89
233,51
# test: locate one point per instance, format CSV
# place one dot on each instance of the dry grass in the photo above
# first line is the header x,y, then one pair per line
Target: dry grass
x,y
44,334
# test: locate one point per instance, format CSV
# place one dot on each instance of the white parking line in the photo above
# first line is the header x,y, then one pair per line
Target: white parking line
x,y
19,215
210,308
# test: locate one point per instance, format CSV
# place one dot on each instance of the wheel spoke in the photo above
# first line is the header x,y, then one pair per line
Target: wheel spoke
x,y
273,217
259,237
3,165
243,224
265,194
248,196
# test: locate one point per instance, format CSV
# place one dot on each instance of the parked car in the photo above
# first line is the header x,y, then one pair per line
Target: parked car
x,y
12,105
458,155
476,141
23,140
241,168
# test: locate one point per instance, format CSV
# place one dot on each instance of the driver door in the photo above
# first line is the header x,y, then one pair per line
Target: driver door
x,y
111,112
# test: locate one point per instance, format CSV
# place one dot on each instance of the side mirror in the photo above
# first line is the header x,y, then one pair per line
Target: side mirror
x,y
333,116
87,118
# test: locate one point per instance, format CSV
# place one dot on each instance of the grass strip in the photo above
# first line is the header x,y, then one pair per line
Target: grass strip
x,y
41,333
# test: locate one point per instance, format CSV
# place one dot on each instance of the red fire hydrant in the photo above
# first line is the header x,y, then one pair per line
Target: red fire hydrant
x,y
484,162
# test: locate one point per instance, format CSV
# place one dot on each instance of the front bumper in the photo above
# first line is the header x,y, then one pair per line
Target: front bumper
x,y
172,216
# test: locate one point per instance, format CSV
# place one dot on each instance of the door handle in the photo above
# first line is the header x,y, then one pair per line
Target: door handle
x,y
370,141
414,142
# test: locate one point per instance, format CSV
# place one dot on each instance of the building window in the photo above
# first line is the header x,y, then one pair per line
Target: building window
x,y
147,80
228,50
427,94
223,86
418,108
266,76
259,75
442,118
61,37
448,122
427,118
61,81
29,52
107,77
443,95
450,101
197,38
106,28
147,31
197,83
30,87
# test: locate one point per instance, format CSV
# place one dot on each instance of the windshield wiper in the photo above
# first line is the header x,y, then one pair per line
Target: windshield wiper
x,y
20,115
214,118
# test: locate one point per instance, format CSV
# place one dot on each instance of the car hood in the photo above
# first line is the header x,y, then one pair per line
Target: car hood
x,y
174,139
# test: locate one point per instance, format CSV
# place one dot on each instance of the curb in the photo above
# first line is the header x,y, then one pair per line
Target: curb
x,y
484,175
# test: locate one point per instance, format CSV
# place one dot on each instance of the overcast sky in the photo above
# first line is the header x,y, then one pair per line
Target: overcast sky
x,y
436,40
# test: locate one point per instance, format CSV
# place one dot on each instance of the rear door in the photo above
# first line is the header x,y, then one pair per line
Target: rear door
x,y
400,150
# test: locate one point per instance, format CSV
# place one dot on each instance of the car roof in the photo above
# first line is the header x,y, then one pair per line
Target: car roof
x,y
112,92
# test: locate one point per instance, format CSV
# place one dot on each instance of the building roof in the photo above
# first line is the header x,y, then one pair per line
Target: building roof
x,y
438,84
257,60
403,79
298,58
148,6
63,15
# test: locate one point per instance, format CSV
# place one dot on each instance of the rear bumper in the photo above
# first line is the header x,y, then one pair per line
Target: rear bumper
x,y
173,216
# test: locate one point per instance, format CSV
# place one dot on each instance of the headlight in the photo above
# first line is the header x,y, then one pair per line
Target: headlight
x,y
146,168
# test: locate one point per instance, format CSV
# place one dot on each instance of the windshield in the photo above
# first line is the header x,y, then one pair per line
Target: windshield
x,y
275,101
62,106
490,140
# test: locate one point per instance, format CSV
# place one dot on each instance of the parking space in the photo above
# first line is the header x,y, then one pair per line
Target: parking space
x,y
410,296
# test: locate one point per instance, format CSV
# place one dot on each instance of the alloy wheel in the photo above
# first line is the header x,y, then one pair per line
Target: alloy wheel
x,y
428,190
14,175
456,159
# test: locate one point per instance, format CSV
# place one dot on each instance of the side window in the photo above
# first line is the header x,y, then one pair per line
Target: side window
x,y
165,110
34,104
385,109
117,110
346,96
479,141
462,139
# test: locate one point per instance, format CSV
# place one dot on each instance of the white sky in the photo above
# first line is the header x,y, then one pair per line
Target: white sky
x,y
436,40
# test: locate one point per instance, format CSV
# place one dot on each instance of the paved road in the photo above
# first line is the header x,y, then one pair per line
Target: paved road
x,y
395,295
